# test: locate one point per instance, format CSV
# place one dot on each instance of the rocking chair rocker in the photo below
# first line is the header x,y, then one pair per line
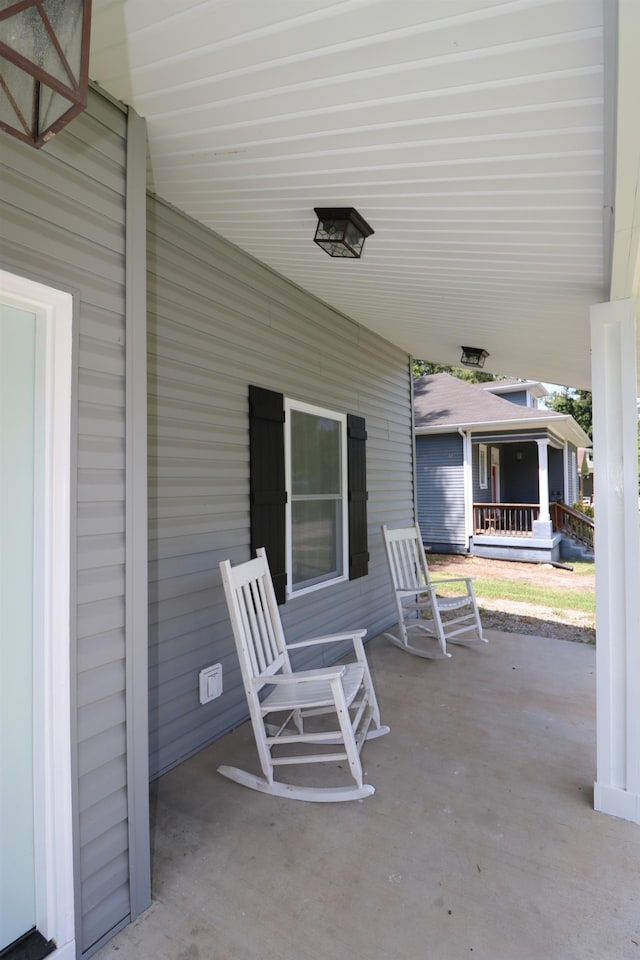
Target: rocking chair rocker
x,y
344,690
423,616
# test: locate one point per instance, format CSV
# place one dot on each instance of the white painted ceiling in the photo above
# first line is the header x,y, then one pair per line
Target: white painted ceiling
x,y
470,134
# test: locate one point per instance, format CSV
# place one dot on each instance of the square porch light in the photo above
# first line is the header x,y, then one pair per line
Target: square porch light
x,y
44,66
473,357
341,231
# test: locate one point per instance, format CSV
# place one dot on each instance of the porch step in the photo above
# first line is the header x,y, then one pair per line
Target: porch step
x,y
572,550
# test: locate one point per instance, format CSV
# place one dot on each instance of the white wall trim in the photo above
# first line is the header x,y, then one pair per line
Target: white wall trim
x,y
616,802
613,338
136,561
52,680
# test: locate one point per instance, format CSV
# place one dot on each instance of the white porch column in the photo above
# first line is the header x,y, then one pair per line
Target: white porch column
x,y
543,479
467,461
542,526
614,386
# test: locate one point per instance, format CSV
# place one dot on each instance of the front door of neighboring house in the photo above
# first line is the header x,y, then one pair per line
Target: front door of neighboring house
x,y
36,877
495,474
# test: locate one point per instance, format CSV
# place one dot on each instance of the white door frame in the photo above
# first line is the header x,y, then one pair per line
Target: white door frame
x,y
52,656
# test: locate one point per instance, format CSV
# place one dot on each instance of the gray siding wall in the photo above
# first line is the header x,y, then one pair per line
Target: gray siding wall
x,y
572,454
440,490
62,213
219,321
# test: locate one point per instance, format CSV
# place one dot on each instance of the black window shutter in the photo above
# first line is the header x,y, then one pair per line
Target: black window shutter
x,y
357,471
267,482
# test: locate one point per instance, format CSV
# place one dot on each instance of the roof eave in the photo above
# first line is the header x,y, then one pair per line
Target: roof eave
x,y
573,432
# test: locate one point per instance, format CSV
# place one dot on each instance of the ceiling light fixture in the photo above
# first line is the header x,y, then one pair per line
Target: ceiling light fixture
x,y
44,66
341,231
473,357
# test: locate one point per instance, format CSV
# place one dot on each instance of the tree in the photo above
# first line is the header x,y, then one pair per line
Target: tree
x,y
576,403
421,367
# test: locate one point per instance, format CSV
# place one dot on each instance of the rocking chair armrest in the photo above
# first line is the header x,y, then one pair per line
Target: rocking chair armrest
x,y
331,638
322,673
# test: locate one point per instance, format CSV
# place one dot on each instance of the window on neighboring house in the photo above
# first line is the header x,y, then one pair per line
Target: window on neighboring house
x,y
307,492
316,479
482,467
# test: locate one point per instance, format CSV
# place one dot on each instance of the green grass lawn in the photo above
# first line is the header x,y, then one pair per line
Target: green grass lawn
x,y
524,591
530,593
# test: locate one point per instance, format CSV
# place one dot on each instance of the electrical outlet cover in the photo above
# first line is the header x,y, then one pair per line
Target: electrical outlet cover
x,y
210,683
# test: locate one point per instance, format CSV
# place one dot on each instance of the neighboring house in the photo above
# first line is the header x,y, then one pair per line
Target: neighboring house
x,y
489,463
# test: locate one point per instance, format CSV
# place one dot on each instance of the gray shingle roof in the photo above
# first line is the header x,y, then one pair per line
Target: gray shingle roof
x,y
441,400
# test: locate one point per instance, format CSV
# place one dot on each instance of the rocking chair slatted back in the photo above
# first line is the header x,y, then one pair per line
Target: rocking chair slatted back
x,y
408,571
422,613
344,691
253,605
264,647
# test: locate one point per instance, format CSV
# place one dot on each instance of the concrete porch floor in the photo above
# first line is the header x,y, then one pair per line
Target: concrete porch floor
x,y
480,841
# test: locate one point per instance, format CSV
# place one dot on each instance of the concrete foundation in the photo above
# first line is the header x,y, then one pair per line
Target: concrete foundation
x,y
522,549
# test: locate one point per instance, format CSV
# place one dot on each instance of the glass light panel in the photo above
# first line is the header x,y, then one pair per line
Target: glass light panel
x,y
52,106
27,33
66,18
21,88
315,454
331,230
335,236
355,239
316,541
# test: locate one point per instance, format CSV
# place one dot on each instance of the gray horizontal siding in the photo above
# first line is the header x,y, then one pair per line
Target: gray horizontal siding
x,y
572,454
219,321
440,490
62,211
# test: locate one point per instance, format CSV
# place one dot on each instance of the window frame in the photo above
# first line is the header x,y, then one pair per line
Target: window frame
x,y
291,406
483,467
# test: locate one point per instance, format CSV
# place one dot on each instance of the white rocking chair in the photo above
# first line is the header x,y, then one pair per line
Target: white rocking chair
x,y
423,616
344,690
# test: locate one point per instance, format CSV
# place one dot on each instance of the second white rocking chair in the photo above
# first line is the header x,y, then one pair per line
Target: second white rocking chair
x,y
423,616
272,687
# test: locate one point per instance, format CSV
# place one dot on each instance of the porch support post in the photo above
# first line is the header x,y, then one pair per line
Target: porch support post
x,y
543,478
614,379
467,461
542,526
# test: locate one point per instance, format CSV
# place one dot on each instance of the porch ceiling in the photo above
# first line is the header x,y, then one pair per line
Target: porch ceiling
x,y
469,133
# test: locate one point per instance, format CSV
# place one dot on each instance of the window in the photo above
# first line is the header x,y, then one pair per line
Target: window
x,y
308,492
482,466
316,515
